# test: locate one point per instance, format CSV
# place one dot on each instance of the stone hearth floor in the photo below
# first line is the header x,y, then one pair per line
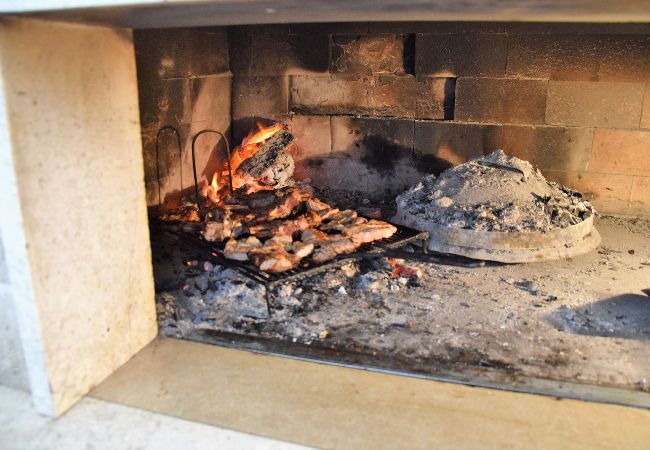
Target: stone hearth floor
x,y
335,407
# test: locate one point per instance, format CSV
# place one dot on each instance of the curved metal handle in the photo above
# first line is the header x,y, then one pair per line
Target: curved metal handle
x,y
180,155
196,181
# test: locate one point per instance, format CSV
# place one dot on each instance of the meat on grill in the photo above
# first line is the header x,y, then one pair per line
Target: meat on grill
x,y
272,257
339,220
302,249
335,245
372,230
289,203
238,250
213,232
312,235
314,204
279,227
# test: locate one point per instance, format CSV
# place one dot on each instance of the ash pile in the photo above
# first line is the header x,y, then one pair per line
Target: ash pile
x,y
501,208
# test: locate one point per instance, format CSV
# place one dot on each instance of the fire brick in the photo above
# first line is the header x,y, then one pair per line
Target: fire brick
x,y
364,55
621,151
625,58
180,52
380,96
640,196
549,148
164,102
353,174
500,100
381,142
609,193
210,97
581,103
253,96
446,144
554,56
461,54
313,136
289,54
239,45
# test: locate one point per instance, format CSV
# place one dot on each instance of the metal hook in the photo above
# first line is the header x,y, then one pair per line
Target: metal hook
x,y
180,155
196,181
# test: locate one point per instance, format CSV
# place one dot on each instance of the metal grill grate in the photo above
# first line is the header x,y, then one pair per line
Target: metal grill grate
x,y
307,268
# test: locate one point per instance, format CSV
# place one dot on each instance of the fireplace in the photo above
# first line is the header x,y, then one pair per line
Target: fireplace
x,y
364,112
372,109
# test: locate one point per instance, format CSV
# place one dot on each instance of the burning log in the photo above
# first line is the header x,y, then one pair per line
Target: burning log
x,y
271,167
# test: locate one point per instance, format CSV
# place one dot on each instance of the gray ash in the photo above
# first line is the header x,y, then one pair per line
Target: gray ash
x,y
495,193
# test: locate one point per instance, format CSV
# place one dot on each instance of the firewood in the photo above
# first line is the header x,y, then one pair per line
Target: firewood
x,y
271,167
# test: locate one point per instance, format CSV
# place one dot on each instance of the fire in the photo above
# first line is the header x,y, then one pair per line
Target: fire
x,y
249,146
211,191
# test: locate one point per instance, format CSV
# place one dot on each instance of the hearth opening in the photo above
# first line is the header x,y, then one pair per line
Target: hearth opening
x,y
455,200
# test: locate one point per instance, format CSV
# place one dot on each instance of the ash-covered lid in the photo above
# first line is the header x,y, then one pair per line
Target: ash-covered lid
x,y
496,192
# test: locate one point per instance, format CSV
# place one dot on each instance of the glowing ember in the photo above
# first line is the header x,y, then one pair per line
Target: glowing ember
x,y
400,270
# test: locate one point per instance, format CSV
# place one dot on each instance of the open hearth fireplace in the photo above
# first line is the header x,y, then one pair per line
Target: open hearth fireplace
x,y
259,260
458,201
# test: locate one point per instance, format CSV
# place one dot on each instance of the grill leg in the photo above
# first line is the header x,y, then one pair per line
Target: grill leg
x,y
267,296
425,247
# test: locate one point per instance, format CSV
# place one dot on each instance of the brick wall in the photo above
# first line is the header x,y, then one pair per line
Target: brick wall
x,y
184,81
374,106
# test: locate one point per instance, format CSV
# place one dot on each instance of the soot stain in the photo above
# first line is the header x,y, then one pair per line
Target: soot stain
x,y
431,164
382,154
314,162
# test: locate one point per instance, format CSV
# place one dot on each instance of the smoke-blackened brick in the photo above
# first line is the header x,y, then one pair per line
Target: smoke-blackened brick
x,y
380,96
289,54
364,55
500,100
461,54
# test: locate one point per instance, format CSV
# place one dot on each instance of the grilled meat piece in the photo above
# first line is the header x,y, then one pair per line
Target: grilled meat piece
x,y
289,203
278,254
370,231
283,239
213,232
182,214
333,246
301,249
279,227
339,221
312,235
272,257
238,250
289,227
314,204
259,200
329,213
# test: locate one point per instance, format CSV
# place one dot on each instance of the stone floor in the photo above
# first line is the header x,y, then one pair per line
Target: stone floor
x,y
95,423
336,407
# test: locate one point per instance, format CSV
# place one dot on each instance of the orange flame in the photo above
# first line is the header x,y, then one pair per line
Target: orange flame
x,y
249,146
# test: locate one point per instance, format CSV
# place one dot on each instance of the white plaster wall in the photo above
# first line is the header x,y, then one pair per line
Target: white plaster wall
x,y
13,372
74,223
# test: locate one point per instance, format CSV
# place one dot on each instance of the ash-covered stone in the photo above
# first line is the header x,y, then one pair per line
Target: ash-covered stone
x,y
494,193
